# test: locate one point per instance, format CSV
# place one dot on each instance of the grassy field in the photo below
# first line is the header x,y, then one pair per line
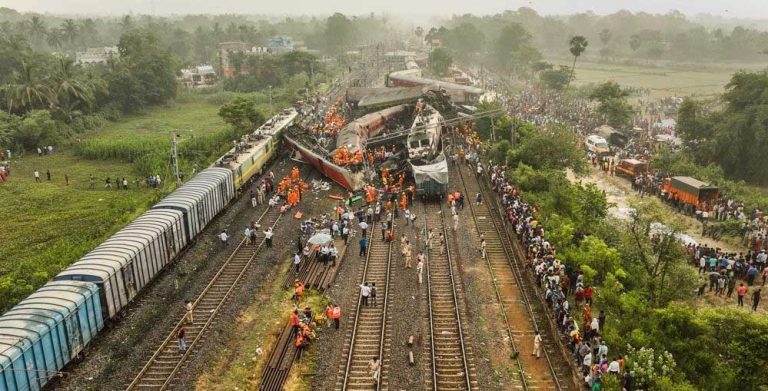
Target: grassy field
x,y
48,225
661,80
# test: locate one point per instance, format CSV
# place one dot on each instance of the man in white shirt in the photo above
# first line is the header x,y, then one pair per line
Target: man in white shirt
x,y
364,228
223,238
296,262
268,237
365,292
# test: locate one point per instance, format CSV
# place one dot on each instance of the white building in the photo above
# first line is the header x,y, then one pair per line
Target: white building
x,y
97,55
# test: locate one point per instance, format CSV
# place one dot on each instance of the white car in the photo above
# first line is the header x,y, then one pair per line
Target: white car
x,y
596,144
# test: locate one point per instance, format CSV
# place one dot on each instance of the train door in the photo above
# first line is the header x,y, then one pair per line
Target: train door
x,y
72,322
170,244
130,280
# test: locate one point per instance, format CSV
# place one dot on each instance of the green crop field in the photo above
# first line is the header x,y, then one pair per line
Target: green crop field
x,y
48,225
661,80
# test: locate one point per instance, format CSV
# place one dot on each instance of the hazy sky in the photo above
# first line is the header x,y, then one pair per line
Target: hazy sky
x,y
737,8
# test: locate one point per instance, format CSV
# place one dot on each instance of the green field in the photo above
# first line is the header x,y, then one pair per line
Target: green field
x,y
48,225
661,80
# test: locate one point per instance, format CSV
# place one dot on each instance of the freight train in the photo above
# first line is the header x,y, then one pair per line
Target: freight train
x,y
50,328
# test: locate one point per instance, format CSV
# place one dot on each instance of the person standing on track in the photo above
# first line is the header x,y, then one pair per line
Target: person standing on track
x,y
247,235
374,367
420,266
364,228
365,292
373,294
188,306
181,337
482,248
455,222
442,243
430,236
537,345
363,246
268,237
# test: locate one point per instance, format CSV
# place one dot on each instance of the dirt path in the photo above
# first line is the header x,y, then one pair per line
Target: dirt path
x,y
618,191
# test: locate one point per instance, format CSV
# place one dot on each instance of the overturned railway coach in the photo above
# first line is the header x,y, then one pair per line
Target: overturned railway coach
x,y
43,333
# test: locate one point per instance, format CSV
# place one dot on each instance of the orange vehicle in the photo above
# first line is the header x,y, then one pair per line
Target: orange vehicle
x,y
631,167
690,190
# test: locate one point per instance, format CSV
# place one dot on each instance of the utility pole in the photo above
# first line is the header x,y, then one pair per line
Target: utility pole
x,y
175,152
270,101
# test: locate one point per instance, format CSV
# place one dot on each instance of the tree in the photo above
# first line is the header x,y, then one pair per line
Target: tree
x,y
613,107
440,60
635,42
37,29
241,113
552,147
69,31
339,33
419,32
26,91
577,46
72,90
513,51
605,36
465,40
556,79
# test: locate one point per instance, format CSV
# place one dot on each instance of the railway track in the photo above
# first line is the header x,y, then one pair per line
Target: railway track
x,y
368,333
451,361
161,368
522,315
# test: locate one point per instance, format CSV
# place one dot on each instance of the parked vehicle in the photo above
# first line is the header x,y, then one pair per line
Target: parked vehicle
x,y
631,167
690,190
596,145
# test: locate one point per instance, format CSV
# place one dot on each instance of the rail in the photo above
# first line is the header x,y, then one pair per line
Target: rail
x,y
497,292
169,372
366,269
465,368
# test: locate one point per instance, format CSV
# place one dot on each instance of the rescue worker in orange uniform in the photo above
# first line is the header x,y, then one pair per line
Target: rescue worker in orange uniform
x,y
403,201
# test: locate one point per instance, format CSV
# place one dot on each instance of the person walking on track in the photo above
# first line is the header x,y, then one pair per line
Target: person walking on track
x,y
455,222
442,243
373,294
374,368
365,292
181,337
363,246
268,237
189,307
537,345
420,266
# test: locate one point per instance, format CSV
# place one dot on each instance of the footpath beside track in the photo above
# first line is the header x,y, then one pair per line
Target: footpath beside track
x,y
523,315
451,360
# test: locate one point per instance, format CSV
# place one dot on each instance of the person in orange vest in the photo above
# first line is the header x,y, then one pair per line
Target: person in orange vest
x,y
450,198
403,201
336,315
298,291
401,180
295,321
295,173
389,205
299,343
328,314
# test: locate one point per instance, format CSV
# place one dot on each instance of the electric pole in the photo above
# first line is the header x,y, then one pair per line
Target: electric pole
x,y
175,151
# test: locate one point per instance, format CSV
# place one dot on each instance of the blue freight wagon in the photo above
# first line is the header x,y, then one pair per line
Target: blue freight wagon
x,y
43,333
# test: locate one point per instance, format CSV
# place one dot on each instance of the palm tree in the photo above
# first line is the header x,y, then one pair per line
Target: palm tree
x,y
578,44
55,38
25,91
71,90
37,29
69,31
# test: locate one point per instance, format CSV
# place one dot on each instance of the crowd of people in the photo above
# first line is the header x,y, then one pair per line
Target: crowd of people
x,y
563,289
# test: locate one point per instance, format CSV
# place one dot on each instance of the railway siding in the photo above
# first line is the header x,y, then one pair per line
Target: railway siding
x,y
522,315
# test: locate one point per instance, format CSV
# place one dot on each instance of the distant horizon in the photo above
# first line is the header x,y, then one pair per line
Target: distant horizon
x,y
744,11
